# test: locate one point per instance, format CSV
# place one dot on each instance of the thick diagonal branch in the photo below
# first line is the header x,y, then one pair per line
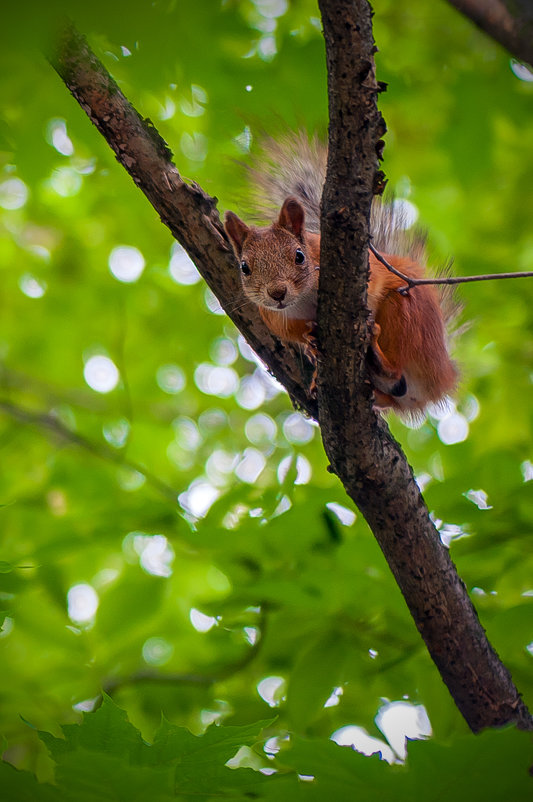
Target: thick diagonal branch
x,y
509,22
189,213
362,452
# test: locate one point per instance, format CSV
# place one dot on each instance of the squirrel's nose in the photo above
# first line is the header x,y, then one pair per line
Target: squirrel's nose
x,y
277,293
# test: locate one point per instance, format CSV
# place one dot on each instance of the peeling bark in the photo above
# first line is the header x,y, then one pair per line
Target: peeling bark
x,y
362,452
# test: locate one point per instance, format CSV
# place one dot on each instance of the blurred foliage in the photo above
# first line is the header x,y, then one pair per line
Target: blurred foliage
x,y
107,759
109,575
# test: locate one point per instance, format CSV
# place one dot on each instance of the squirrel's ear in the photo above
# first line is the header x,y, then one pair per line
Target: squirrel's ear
x,y
236,231
292,217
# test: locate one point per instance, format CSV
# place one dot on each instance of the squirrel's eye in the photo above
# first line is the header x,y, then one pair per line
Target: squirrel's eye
x,y
299,257
245,269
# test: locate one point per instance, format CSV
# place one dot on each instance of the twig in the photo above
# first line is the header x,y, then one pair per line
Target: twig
x,y
417,282
50,423
192,678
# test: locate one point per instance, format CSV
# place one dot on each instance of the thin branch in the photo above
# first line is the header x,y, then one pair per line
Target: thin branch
x,y
52,425
509,22
417,282
193,678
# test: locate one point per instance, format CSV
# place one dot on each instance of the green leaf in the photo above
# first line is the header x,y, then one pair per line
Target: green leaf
x,y
201,760
218,75
106,730
22,786
106,758
490,766
317,670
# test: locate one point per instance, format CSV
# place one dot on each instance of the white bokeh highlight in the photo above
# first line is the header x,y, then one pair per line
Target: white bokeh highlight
x,y
32,287
82,603
181,267
271,690
343,514
360,740
200,621
58,137
13,194
126,263
101,373
399,721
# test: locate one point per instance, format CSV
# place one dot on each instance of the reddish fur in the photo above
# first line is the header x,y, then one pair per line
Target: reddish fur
x,y
409,331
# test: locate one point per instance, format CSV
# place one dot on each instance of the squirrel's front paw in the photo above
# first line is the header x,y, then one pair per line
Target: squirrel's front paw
x,y
312,355
311,344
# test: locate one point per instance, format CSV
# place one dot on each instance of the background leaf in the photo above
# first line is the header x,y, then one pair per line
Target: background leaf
x,y
179,545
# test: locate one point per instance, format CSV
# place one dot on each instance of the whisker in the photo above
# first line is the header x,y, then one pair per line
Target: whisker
x,y
238,305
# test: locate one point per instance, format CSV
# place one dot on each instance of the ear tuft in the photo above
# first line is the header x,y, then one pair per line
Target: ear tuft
x,y
236,230
292,217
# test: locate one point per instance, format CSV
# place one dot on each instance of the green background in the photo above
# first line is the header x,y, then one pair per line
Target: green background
x,y
85,476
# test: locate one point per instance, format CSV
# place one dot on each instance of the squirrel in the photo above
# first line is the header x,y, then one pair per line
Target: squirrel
x,y
408,359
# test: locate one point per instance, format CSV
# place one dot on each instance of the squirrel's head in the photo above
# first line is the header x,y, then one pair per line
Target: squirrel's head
x,y
276,264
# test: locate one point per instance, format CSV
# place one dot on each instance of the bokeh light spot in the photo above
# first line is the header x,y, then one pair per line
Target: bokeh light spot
x,y
250,466
261,429
171,379
453,429
82,603
298,429
13,194
343,514
66,182
216,380
57,136
181,267
200,621
399,721
198,498
126,263
117,432
157,651
272,690
359,739
32,287
101,373
303,469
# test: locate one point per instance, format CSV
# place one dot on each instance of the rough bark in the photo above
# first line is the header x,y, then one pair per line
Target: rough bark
x,y
362,452
188,211
509,22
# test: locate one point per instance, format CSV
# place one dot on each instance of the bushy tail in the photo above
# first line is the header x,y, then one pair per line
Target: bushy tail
x,y
296,165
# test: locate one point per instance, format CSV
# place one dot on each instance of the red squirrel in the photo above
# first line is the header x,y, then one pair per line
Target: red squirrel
x,y
409,363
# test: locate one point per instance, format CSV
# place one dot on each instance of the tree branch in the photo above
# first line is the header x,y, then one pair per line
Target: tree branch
x,y
188,211
509,22
53,426
361,450
191,678
417,282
